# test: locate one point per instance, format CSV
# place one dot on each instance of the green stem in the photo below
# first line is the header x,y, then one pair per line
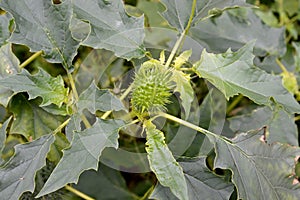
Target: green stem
x,y
175,48
234,103
185,32
58,129
30,59
191,17
192,126
124,95
282,67
78,193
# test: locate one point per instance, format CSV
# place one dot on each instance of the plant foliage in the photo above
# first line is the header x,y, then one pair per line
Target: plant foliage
x,y
165,99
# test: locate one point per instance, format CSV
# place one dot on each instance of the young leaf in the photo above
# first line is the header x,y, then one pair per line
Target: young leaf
x,y
111,27
182,58
168,172
83,153
36,27
184,88
9,65
201,183
259,170
281,126
95,99
51,89
17,175
30,120
233,31
178,12
233,73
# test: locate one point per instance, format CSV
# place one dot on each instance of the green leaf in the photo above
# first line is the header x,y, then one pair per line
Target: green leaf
x,y
297,55
51,89
3,137
9,65
104,184
111,27
17,175
37,27
232,30
5,20
178,12
83,153
95,99
73,126
168,172
280,125
30,120
60,143
234,73
259,170
184,88
201,183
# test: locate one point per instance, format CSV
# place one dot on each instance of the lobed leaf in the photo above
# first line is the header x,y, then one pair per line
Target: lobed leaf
x,y
236,28
17,175
9,65
178,12
83,153
234,73
280,125
30,120
259,170
111,27
37,24
51,89
95,99
5,20
3,137
168,172
186,91
201,183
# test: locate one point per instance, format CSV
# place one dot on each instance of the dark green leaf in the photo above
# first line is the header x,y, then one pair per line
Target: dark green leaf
x,y
30,120
9,65
280,125
17,175
4,27
234,31
178,12
51,89
168,172
83,153
201,183
111,27
104,184
3,137
60,143
259,170
37,25
95,99
234,73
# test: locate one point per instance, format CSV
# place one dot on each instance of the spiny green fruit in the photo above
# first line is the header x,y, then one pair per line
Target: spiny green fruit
x,y
152,87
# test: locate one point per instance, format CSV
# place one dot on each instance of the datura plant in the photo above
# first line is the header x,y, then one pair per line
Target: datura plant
x,y
148,99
